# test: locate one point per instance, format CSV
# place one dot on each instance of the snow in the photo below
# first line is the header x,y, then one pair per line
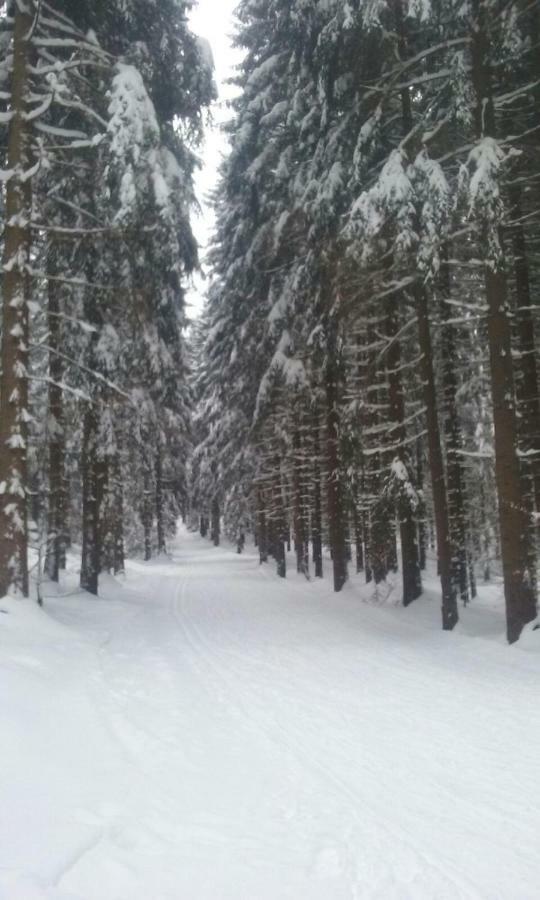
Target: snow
x,y
205,730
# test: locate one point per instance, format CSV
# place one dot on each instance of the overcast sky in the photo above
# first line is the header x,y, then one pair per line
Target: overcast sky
x,y
213,20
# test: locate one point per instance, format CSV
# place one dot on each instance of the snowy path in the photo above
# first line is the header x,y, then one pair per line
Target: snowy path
x,y
210,733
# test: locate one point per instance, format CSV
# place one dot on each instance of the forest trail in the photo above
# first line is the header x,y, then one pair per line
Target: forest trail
x,y
210,732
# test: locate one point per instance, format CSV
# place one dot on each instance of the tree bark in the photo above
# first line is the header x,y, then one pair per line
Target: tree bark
x,y
119,551
90,562
436,465
300,530
527,374
147,512
334,486
262,530
520,599
55,430
14,351
215,525
412,580
279,523
316,520
456,489
160,512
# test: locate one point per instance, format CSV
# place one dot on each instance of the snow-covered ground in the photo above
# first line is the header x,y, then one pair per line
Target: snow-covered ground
x,y
207,732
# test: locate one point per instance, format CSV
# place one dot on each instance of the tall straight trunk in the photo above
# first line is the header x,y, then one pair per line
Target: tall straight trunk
x,y
452,431
14,351
147,512
422,529
300,530
334,486
411,576
63,513
514,523
215,526
374,517
436,464
358,537
55,428
279,524
160,512
90,562
527,375
316,519
119,550
107,501
366,531
262,531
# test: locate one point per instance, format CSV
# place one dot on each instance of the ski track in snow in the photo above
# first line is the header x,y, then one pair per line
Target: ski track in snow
x,y
209,732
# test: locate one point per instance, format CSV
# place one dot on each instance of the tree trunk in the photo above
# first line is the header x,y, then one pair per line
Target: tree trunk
x,y
412,580
107,513
335,504
300,531
514,523
160,513
527,374
90,561
436,465
14,352
279,524
262,531
358,537
119,553
55,430
316,520
147,512
215,526
422,529
456,489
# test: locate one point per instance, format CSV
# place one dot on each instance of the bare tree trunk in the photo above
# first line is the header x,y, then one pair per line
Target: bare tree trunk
x,y
262,530
316,521
334,487
514,523
456,489
300,530
422,530
358,537
119,553
90,562
215,526
436,462
279,523
55,428
147,512
436,465
412,580
14,353
527,375
107,501
160,513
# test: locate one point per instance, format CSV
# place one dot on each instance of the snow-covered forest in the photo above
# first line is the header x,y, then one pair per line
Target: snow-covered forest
x,y
366,366
355,411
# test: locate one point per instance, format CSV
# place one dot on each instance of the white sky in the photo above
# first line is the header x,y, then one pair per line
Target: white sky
x,y
213,20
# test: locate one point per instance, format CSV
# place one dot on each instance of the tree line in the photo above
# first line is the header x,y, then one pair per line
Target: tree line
x,y
366,370
102,108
